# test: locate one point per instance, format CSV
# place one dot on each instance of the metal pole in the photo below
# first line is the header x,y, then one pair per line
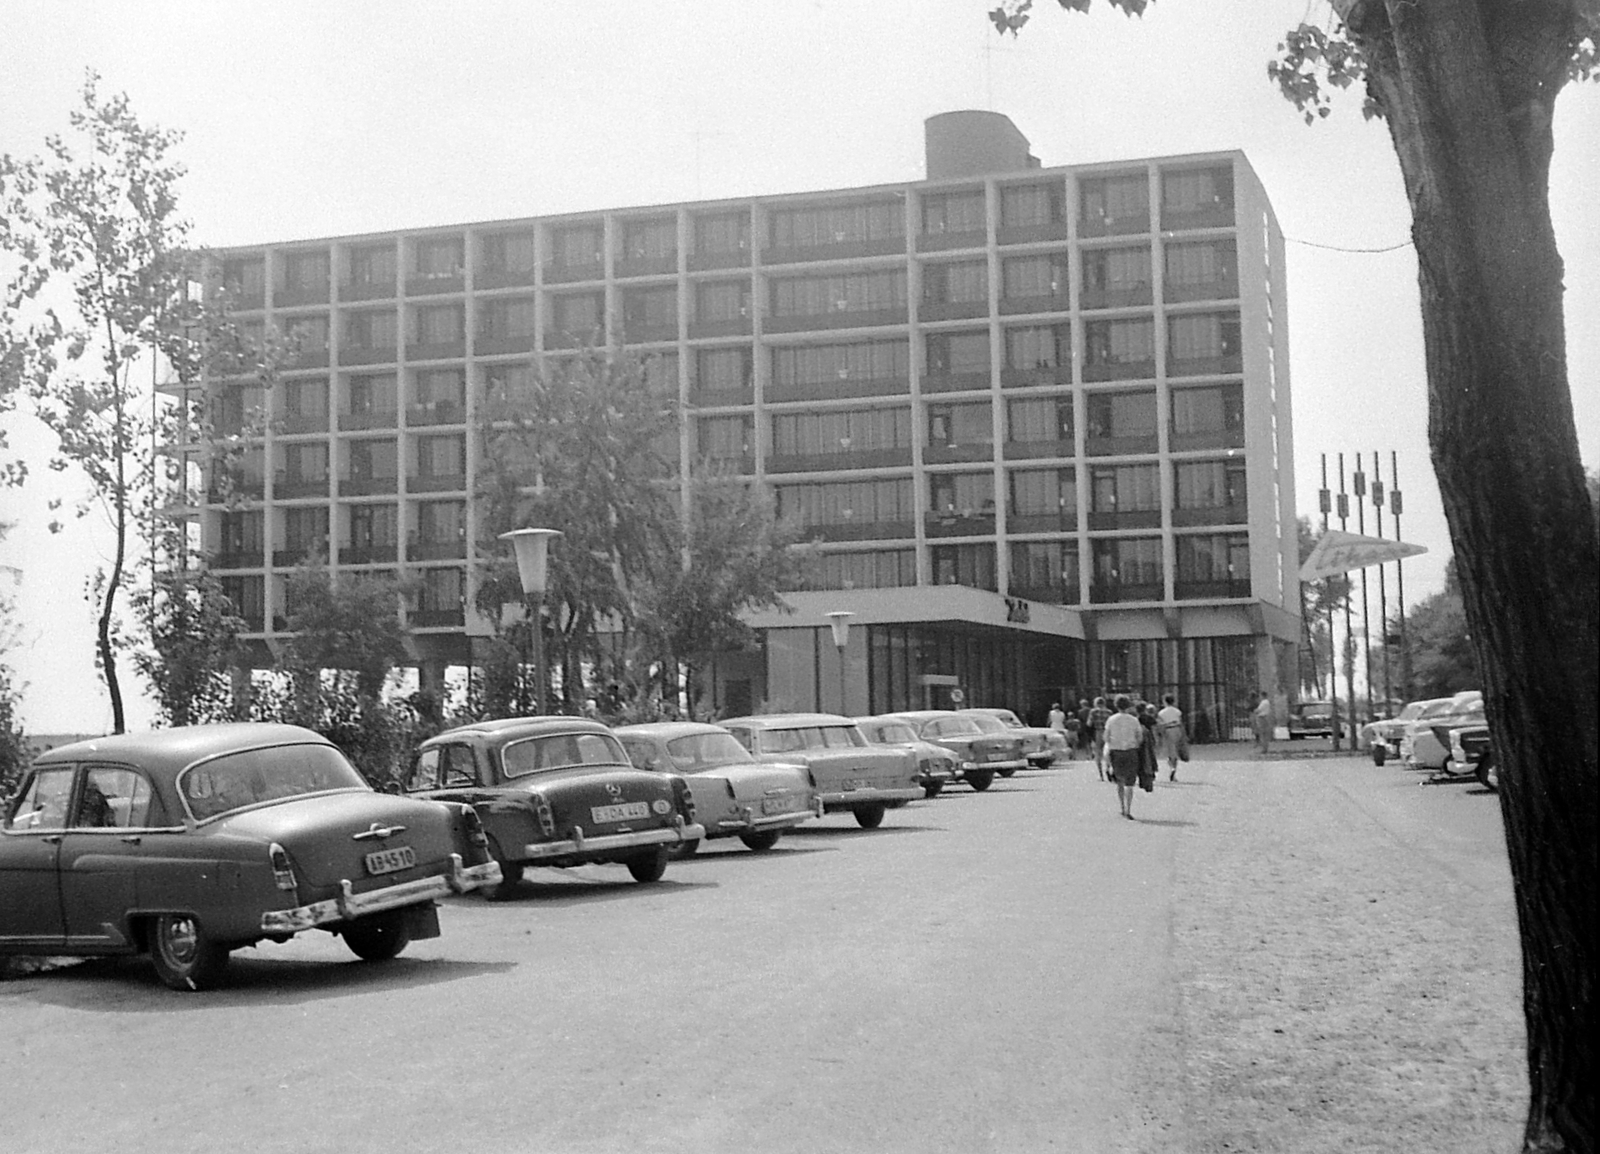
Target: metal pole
x,y
1383,597
1359,485
536,627
1400,576
1325,503
1343,505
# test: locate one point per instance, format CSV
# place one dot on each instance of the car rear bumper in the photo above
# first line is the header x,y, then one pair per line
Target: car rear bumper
x,y
849,799
349,904
611,843
759,822
1018,763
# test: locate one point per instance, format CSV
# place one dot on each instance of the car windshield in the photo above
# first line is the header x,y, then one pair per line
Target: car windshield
x,y
701,751
1437,709
1316,709
890,733
1009,718
561,751
987,724
950,727
810,737
1411,711
250,777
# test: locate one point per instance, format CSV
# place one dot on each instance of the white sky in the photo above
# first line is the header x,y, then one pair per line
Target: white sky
x,y
318,119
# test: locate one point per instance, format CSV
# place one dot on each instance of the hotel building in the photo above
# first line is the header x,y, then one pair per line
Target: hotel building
x,y
1039,418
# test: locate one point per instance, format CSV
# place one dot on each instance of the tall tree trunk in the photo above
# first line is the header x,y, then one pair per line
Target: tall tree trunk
x,y
1468,88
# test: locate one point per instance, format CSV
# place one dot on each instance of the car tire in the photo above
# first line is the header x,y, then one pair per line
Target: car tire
x,y
1005,772
933,789
684,849
870,816
510,874
980,779
1486,774
761,840
183,953
1380,754
378,938
649,867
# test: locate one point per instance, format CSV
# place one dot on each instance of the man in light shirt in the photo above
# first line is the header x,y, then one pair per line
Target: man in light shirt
x,y
1124,735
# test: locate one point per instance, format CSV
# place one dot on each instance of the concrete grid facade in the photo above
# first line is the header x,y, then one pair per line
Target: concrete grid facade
x,y
1039,418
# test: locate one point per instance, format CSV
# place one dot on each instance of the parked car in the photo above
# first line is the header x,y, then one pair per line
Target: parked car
x,y
1312,719
937,767
982,754
1382,738
1040,746
1421,747
735,795
557,791
851,774
188,843
1472,750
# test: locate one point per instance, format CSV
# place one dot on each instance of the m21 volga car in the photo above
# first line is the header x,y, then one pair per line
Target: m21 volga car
x,y
983,755
735,795
188,843
1040,747
937,767
557,791
851,774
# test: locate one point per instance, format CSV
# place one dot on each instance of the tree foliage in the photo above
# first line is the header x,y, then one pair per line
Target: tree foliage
x,y
194,637
1318,599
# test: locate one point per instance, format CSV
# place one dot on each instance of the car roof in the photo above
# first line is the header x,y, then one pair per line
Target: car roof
x,y
509,727
666,730
785,720
169,750
922,714
987,710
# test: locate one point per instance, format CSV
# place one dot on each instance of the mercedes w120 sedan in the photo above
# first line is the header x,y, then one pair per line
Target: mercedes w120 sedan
x,y
188,843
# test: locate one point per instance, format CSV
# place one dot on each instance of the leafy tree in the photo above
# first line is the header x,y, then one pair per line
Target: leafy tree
x,y
13,741
1439,643
194,641
102,269
1467,90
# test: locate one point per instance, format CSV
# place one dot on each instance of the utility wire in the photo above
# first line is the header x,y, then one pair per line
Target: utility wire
x,y
1342,248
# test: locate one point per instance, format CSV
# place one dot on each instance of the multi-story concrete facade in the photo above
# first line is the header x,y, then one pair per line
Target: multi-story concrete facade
x,y
1038,417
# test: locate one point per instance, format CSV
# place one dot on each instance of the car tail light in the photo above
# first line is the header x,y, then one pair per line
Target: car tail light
x,y
474,824
282,868
731,795
541,809
685,798
811,777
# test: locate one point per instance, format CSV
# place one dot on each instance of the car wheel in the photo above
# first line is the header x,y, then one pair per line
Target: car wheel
x,y
1380,754
510,874
183,953
933,789
761,840
870,816
1005,772
649,867
1485,771
684,849
377,938
980,779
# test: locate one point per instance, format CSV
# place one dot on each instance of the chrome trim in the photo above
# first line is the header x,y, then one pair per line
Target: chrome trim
x,y
856,796
350,904
578,843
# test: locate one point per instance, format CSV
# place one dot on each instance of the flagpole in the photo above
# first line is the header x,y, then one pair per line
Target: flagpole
x,y
1400,576
1343,506
1383,597
1358,483
1325,503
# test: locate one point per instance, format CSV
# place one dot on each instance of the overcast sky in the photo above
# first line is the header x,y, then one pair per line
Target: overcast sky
x,y
318,119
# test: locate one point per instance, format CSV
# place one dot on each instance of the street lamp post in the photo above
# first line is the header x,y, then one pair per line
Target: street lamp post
x,y
839,622
532,547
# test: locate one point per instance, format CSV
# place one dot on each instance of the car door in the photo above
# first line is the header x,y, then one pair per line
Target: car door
x,y
101,850
30,849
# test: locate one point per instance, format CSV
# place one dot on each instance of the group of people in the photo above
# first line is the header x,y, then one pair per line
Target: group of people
x,y
1127,740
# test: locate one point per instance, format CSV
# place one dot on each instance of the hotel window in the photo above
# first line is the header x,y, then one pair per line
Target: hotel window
x,y
1044,492
1044,275
1201,264
507,318
1223,557
305,530
1120,342
372,395
373,266
370,329
442,591
373,527
1202,336
1039,419
723,438
961,494
306,272
511,384
1046,568
723,370
307,336
838,224
580,315
244,276
441,388
305,464
1031,205
1197,189
576,246
970,565
1208,409
249,599
840,430
650,309
723,233
240,536
1121,414
236,409
879,569
956,353
968,424
305,402
373,460
1209,484
441,456
847,503
1112,198
661,372
852,361
441,522
726,300
1116,270
960,212
439,324
650,240
848,293
1124,489
956,282
436,257
1128,561
1038,347
509,252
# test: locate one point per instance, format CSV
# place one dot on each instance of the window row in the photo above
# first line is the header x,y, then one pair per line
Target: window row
x,y
366,533
437,598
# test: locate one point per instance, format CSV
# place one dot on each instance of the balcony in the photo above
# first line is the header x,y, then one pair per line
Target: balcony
x,y
291,423
1125,519
1094,446
662,265
899,457
1032,450
933,310
1054,303
1134,223
309,357
371,419
1116,298
1101,593
1223,288
863,531
706,259
437,351
1047,594
366,290
840,319
1208,439
284,297
494,278
1238,514
1027,233
287,488
351,354
705,397
436,285
946,454
1028,378
367,486
1204,366
437,618
947,524
955,382
1205,590
1108,370
367,554
240,559
420,550
941,241
839,250
838,387
1066,522
645,334
494,344
562,273
437,483
289,556
1218,214
436,413
722,327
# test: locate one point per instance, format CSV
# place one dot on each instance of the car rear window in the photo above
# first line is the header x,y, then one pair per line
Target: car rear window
x,y
561,751
699,751
253,776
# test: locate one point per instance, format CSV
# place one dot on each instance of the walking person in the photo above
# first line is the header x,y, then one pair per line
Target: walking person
x,y
1261,718
1146,713
1084,732
1124,737
1098,716
1057,720
1170,734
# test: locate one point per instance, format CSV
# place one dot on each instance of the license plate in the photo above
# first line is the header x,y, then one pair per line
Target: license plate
x,y
388,861
851,783
775,805
627,811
